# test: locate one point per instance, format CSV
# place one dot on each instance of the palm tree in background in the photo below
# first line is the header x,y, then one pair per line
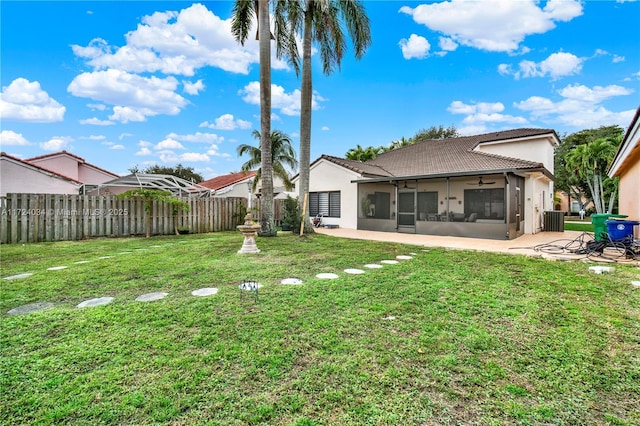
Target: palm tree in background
x,y
242,20
323,22
590,162
363,154
282,153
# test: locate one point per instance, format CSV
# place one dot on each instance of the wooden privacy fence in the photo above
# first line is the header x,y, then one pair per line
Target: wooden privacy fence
x,y
26,218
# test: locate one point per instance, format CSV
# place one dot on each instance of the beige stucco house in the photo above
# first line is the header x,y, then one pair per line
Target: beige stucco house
x,y
57,173
496,185
626,166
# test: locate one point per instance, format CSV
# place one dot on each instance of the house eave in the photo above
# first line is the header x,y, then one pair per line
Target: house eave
x,y
392,179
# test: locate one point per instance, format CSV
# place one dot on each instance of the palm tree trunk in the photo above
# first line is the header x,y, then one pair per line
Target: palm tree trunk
x,y
267,225
305,115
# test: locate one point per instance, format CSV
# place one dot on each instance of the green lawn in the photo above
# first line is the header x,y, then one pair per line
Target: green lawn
x,y
448,337
578,226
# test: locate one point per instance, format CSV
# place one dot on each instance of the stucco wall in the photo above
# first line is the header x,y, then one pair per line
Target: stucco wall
x,y
629,193
538,150
66,166
15,178
326,176
92,176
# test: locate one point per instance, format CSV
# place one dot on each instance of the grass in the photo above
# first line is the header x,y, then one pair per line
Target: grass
x,y
579,226
448,337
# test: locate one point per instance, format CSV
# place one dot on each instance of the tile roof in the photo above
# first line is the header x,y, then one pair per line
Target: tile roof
x,y
364,168
439,157
223,181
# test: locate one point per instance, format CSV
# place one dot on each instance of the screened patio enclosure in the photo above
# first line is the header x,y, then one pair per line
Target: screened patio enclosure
x,y
479,206
177,186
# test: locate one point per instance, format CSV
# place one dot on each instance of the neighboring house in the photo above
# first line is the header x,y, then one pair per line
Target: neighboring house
x,y
238,184
177,186
626,166
58,173
231,185
496,185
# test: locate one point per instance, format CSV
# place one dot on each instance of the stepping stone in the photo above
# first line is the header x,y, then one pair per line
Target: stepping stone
x,y
57,268
413,254
250,286
105,257
125,252
327,276
150,297
389,262
354,271
204,291
402,257
291,281
601,269
389,318
32,307
155,246
95,302
373,266
17,277
636,284
80,262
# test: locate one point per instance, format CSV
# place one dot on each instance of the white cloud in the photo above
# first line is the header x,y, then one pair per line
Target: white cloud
x,y
325,128
11,138
95,121
176,43
117,146
194,157
447,44
193,88
493,25
94,137
287,103
134,97
415,47
227,122
618,58
483,112
144,151
169,144
556,65
23,100
580,107
57,143
98,107
124,135
196,137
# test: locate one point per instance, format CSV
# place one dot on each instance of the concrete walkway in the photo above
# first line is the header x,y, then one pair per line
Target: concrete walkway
x,y
527,244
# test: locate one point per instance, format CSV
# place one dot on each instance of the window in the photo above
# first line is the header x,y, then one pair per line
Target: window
x,y
325,203
486,203
427,203
380,205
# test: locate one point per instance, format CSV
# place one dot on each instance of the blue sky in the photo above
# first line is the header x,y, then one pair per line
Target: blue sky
x,y
149,82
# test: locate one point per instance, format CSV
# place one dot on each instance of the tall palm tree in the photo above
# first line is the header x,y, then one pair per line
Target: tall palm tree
x,y
283,154
590,162
323,22
243,14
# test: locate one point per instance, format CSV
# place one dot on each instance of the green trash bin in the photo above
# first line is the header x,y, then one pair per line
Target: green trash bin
x,y
599,227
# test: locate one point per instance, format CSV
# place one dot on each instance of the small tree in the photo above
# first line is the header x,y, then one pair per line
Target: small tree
x,y
151,195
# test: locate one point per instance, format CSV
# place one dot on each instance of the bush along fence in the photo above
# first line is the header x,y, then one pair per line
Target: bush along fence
x,y
27,218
